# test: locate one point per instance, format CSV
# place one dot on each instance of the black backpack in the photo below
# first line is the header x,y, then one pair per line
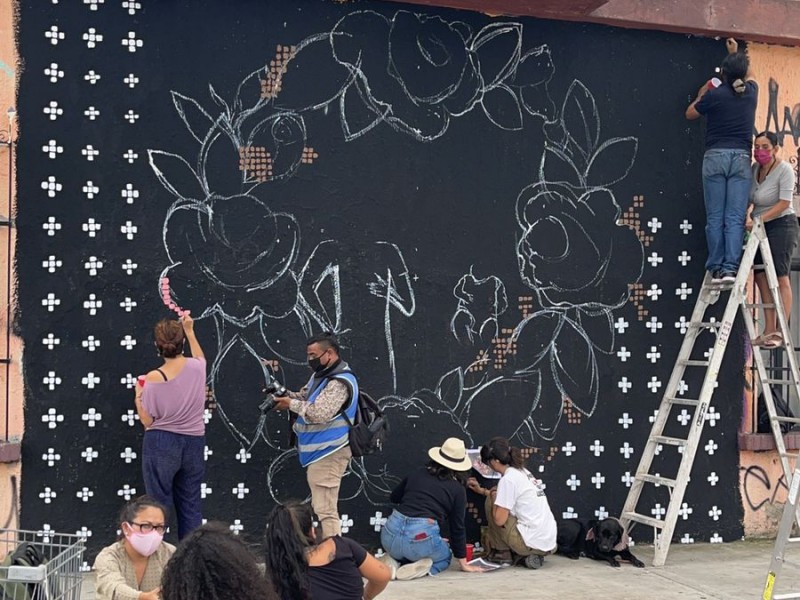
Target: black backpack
x,y
782,409
26,555
368,430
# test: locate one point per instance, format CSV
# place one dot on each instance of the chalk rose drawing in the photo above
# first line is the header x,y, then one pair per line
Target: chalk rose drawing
x,y
245,265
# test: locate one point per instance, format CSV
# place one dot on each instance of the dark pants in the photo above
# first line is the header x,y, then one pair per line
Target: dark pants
x,y
174,467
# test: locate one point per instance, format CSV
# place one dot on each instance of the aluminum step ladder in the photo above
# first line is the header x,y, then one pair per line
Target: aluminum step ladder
x,y
783,539
709,294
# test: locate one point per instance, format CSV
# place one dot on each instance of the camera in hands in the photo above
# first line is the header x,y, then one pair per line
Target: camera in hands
x,y
273,390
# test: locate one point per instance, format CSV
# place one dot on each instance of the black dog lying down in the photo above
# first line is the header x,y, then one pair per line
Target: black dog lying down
x,y
601,540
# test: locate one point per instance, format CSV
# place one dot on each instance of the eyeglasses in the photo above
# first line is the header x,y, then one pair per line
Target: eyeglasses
x,y
148,527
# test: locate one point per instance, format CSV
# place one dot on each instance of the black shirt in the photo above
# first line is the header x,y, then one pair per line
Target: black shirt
x,y
730,117
422,495
340,579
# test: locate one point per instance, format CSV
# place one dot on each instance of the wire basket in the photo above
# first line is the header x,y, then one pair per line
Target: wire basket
x,y
59,576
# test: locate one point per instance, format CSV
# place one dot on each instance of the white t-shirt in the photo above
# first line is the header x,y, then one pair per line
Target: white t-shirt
x,y
523,495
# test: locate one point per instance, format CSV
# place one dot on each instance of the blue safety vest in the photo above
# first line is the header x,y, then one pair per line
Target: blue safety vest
x,y
318,440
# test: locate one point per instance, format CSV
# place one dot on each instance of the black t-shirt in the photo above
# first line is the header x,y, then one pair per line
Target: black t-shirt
x,y
422,495
730,117
340,579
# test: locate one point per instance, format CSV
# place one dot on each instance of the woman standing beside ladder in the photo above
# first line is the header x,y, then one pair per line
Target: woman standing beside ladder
x,y
771,200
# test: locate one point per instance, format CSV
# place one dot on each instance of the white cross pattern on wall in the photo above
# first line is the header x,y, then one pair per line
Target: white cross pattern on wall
x,y
236,527
51,226
654,292
130,417
625,420
132,6
624,385
128,455
92,113
627,479
654,325
598,480
54,35
53,110
621,325
711,447
84,494
52,418
90,343
89,454
92,77
597,448
624,354
346,522
131,80
240,491
685,511
91,227
128,342
127,492
91,305
684,291
685,227
130,156
92,417
573,482
51,186
51,264
48,495
52,149
131,116
132,43
205,490
129,193
129,266
51,380
626,450
92,38
94,264
54,73
94,4
684,258
128,304
51,341
129,230
91,190
568,449
90,152
377,521
51,457
90,381
655,259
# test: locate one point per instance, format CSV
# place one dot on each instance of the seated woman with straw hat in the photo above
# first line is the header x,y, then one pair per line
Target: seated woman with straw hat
x,y
427,497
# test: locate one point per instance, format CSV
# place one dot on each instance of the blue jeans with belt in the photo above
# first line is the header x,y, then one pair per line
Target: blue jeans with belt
x,y
726,187
408,539
173,466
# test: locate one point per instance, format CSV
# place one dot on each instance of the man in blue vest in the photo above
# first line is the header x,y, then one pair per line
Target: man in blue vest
x,y
321,429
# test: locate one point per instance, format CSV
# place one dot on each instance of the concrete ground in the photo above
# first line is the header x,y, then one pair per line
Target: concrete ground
x,y
733,571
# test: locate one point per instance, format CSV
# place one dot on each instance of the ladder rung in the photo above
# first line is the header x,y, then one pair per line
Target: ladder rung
x,y
792,455
669,441
793,540
787,419
788,596
683,401
779,381
694,363
644,520
657,479
759,305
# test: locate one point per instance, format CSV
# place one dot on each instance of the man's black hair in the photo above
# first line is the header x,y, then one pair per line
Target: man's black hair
x,y
327,339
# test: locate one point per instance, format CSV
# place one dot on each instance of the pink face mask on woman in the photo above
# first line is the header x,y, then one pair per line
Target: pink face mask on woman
x,y
763,157
144,543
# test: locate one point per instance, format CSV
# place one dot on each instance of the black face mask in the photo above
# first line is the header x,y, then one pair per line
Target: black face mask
x,y
316,364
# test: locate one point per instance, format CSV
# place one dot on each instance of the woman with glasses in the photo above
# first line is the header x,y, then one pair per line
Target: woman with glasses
x,y
131,568
171,404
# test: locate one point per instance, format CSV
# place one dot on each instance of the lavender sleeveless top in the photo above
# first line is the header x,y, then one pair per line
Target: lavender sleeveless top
x,y
177,405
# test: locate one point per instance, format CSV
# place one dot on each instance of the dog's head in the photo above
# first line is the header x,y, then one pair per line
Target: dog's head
x,y
609,535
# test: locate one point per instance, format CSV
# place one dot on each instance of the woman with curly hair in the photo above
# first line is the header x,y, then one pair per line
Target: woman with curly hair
x,y
302,568
213,564
170,402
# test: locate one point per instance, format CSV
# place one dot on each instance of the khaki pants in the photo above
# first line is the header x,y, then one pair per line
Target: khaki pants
x,y
508,536
325,479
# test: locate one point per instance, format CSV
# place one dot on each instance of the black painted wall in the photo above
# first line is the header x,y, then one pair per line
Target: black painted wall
x,y
497,215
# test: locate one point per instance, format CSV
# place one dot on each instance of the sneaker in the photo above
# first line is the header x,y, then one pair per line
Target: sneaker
x,y
716,277
728,277
500,557
534,561
414,570
390,562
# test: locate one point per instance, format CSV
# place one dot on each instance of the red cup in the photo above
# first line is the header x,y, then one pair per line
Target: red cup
x,y
470,549
140,380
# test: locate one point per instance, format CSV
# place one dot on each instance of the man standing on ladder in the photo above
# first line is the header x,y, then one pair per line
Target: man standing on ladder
x,y
730,110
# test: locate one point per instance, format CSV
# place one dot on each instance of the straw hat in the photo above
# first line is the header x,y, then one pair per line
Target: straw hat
x,y
452,454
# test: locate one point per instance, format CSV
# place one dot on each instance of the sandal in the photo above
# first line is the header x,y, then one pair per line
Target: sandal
x,y
773,340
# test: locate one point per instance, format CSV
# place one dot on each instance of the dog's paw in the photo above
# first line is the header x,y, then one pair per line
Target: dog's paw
x,y
637,563
614,562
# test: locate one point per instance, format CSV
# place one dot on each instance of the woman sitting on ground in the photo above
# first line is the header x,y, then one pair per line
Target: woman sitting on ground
x,y
131,568
214,564
427,497
771,200
520,520
301,567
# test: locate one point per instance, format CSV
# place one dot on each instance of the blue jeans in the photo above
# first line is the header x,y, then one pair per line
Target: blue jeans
x,y
726,187
409,539
174,466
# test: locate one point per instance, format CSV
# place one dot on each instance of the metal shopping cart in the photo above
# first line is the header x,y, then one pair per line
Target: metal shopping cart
x,y
57,577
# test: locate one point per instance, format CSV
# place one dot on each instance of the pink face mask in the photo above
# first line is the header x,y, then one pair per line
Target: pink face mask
x,y
144,543
763,157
